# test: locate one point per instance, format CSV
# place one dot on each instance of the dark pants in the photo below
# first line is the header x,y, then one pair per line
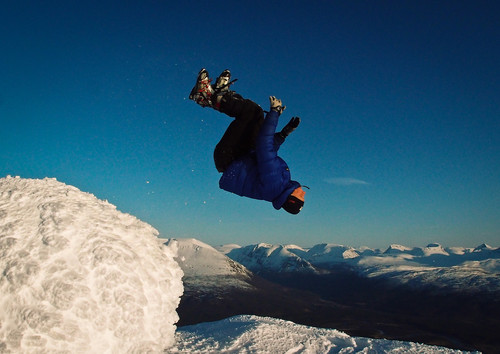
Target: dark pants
x,y
239,138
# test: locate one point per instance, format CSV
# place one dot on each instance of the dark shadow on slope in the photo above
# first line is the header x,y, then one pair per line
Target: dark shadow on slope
x,y
456,320
359,306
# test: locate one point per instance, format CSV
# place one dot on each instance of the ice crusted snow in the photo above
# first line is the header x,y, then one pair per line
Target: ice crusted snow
x,y
77,275
253,334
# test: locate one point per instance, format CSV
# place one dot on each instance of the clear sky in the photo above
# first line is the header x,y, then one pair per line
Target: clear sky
x,y
399,100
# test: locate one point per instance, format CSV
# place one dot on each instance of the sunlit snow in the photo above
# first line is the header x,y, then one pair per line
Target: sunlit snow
x,y
80,276
253,334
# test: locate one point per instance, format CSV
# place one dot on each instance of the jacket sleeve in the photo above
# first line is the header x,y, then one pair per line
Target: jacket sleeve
x,y
267,147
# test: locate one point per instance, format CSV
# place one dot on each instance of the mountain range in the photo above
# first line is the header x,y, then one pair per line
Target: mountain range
x,y
433,265
434,294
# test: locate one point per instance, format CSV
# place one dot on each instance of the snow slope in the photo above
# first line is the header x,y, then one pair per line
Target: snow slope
x,y
253,334
204,266
77,275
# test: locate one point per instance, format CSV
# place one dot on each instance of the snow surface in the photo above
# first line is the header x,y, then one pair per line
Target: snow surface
x,y
253,334
77,275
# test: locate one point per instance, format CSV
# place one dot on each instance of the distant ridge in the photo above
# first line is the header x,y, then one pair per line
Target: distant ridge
x,y
410,265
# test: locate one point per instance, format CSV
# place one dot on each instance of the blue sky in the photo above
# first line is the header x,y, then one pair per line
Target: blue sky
x,y
399,100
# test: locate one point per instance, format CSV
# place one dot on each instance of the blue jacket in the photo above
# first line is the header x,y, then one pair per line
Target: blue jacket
x,y
261,174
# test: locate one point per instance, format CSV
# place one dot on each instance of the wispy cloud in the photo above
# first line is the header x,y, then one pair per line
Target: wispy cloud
x,y
346,181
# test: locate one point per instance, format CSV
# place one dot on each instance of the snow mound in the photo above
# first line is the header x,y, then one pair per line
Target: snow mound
x,y
77,275
253,334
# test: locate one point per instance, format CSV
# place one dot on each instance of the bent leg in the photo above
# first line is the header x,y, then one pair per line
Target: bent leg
x,y
239,138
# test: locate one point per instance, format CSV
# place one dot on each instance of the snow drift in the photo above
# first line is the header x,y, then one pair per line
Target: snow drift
x,y
254,334
79,276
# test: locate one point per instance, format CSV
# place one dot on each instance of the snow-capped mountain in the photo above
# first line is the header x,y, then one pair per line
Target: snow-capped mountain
x,y
327,254
477,268
458,268
267,257
204,266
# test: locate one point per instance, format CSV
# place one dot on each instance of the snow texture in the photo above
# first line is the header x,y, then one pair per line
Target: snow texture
x,y
253,334
77,275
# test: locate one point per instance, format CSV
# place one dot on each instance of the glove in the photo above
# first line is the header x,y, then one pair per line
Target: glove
x,y
276,104
290,127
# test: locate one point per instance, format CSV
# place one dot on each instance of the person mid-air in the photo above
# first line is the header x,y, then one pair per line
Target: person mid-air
x,y
247,154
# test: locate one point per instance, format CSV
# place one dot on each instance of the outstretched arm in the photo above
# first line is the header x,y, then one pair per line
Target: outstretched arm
x,y
267,141
290,127
279,138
